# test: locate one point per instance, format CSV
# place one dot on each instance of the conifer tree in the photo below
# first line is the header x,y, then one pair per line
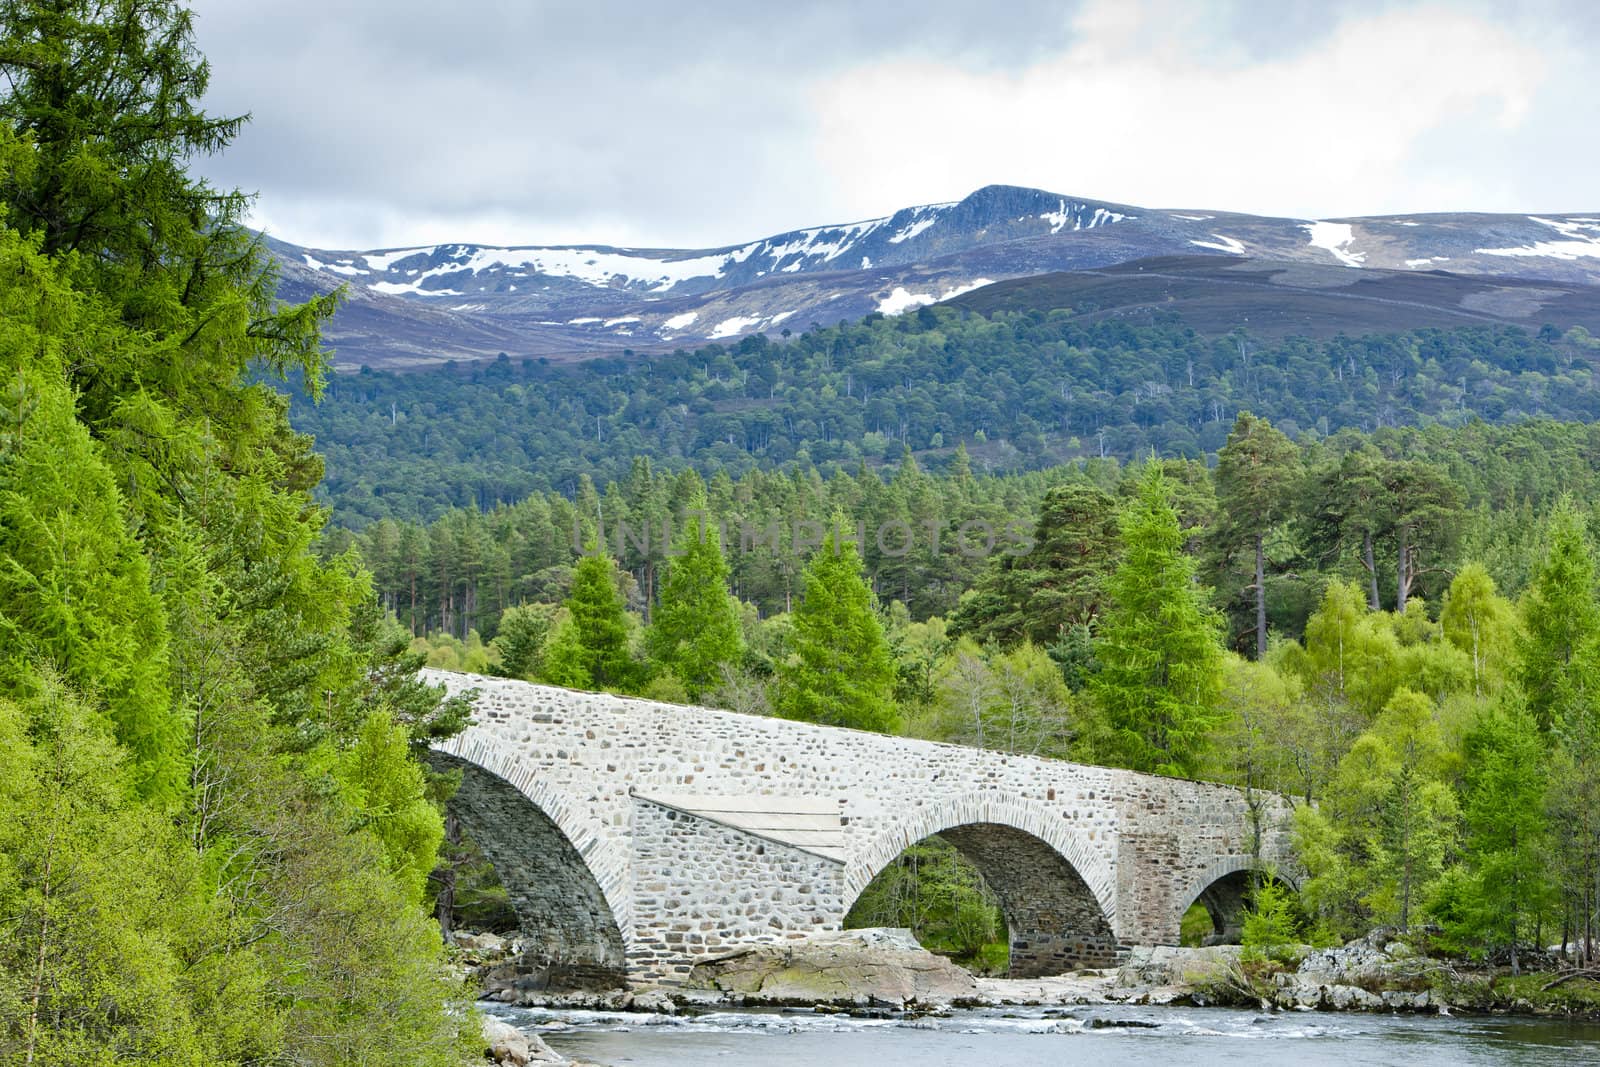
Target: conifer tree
x,y
1160,678
840,672
695,628
599,625
1505,822
1559,615
1481,623
1256,471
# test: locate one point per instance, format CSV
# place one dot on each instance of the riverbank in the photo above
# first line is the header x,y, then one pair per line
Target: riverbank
x,y
884,973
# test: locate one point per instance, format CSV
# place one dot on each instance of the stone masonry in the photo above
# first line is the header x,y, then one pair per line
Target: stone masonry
x,y
643,837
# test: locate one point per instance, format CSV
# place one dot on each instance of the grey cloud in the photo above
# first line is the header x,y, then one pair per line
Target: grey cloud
x,y
691,124
676,122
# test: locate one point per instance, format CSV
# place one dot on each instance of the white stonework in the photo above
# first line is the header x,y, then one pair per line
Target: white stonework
x,y
685,831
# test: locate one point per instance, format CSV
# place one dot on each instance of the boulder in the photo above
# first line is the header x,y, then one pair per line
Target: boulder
x,y
853,968
1169,965
504,1043
485,942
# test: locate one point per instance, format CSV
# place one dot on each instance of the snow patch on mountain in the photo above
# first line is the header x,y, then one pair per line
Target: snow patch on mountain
x,y
385,260
1227,244
1335,238
926,217
733,326
681,322
344,267
411,288
1064,214
902,299
1581,240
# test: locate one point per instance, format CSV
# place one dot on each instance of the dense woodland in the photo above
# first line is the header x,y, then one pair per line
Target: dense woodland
x,y
1022,391
215,842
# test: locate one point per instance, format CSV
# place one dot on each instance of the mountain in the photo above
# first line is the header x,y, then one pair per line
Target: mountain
x,y
414,307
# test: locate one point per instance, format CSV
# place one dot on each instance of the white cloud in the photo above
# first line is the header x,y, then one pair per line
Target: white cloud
x,y
1138,110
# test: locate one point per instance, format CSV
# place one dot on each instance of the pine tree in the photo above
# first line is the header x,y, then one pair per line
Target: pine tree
x,y
840,672
695,629
1058,585
1256,471
1160,677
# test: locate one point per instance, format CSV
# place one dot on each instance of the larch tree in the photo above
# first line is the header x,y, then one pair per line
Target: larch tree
x,y
1506,836
1559,616
695,628
840,672
1160,679
599,625
1481,623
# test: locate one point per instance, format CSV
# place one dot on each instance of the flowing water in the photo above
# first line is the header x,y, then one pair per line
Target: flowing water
x,y
1035,1037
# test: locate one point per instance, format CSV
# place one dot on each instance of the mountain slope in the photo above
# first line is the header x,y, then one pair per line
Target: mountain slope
x,y
417,306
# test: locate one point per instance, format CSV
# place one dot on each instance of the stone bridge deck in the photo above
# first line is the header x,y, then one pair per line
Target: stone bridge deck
x,y
638,837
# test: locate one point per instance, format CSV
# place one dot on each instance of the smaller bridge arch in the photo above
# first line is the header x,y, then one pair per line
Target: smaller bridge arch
x,y
1055,890
1223,888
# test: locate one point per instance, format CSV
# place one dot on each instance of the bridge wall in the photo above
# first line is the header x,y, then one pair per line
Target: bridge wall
x,y
1140,843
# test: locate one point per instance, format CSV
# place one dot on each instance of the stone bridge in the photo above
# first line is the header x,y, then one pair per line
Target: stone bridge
x,y
635,838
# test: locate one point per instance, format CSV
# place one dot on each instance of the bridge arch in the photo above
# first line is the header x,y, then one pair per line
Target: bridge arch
x,y
1056,892
1223,888
565,878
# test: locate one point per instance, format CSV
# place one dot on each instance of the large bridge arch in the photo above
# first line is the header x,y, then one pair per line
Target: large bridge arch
x,y
561,876
1056,892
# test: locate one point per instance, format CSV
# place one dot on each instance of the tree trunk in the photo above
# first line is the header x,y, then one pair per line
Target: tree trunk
x,y
1372,570
1261,597
1401,568
445,899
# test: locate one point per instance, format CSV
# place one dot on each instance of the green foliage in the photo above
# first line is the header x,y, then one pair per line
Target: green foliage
x,y
388,793
182,879
1481,623
75,589
1273,926
840,672
1505,887
1058,584
1011,701
1257,471
694,631
1559,616
1042,388
1160,677
594,644
521,638
934,892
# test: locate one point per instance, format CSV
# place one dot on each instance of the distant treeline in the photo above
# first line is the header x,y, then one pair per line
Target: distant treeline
x,y
1474,491
1022,391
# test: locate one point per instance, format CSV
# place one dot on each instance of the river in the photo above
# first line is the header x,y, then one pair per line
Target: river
x,y
1036,1037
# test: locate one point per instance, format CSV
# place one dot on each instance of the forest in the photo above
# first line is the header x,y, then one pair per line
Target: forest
x,y
1021,391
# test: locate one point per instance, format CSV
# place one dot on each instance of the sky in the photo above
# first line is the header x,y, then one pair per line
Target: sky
x,y
385,123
